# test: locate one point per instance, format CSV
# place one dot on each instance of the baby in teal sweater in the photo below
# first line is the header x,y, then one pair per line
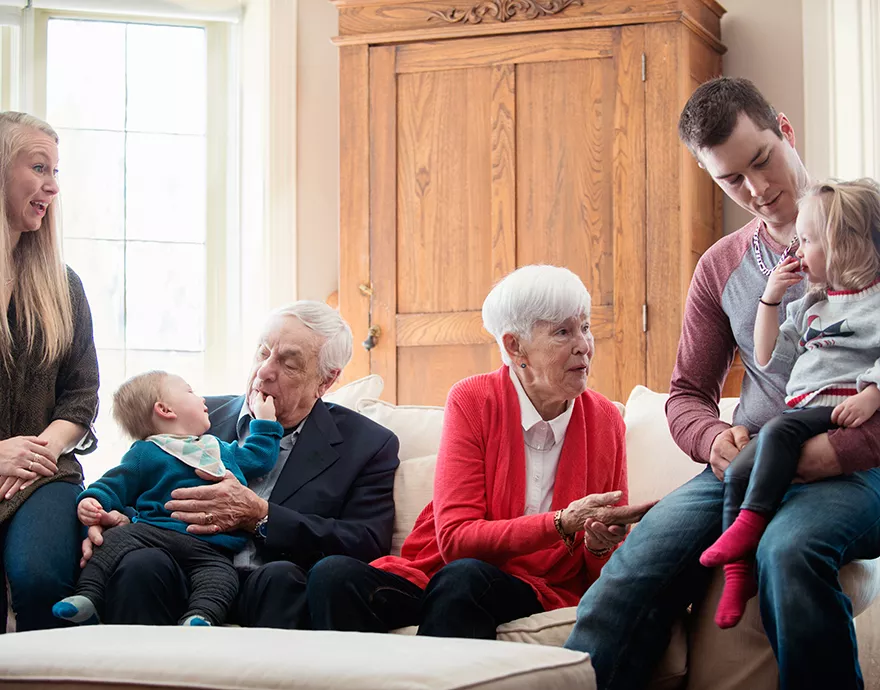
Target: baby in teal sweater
x,y
169,421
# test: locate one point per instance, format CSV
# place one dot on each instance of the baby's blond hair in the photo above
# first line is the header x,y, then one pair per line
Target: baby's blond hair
x,y
133,403
848,215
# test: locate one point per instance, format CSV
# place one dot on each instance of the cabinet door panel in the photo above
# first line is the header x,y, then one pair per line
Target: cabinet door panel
x,y
490,154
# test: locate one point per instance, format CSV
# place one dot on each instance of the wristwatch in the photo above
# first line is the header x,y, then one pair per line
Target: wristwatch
x,y
260,527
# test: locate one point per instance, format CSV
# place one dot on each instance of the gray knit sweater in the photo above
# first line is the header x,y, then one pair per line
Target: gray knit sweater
x,y
33,395
830,346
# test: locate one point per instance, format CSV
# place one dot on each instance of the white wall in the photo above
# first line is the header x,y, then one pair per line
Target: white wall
x,y
317,175
764,40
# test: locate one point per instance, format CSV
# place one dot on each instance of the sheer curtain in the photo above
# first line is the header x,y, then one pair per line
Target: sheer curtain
x,y
842,87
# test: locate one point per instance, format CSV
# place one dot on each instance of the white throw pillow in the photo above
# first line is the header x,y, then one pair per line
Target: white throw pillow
x,y
418,427
655,464
413,490
351,393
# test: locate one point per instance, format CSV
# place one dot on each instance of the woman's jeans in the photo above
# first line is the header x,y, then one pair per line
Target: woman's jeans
x,y
41,551
625,619
465,598
759,476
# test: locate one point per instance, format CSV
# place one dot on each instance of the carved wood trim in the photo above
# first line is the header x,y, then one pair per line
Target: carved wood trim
x,y
502,11
555,23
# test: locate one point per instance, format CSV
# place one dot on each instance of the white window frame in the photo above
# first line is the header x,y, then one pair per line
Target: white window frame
x,y
23,78
252,218
842,87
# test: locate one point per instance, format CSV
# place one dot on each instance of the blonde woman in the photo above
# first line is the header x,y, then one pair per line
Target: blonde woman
x,y
829,345
48,379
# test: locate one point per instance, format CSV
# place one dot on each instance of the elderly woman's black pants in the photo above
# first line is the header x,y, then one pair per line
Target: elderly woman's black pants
x,y
465,598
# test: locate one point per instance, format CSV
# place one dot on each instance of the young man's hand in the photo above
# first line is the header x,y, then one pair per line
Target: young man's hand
x,y
726,447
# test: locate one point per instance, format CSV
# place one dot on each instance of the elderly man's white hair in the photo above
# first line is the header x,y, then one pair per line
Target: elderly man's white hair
x,y
325,321
531,294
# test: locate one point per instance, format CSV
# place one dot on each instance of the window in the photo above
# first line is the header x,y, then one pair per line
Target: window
x,y
146,105
176,211
129,103
842,87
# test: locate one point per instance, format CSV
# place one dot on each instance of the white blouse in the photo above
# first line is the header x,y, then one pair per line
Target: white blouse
x,y
543,442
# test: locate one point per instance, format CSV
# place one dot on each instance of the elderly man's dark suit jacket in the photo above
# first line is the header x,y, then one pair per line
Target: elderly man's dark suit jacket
x,y
335,493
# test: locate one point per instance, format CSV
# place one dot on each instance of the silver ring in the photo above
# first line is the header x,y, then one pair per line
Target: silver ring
x,y
31,466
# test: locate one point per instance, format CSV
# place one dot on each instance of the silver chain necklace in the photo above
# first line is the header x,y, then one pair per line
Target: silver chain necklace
x,y
756,247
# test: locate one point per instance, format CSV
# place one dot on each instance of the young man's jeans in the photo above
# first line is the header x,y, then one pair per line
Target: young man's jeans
x,y
625,619
41,550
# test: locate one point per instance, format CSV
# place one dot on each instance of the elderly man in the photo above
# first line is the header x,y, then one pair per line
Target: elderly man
x,y
329,493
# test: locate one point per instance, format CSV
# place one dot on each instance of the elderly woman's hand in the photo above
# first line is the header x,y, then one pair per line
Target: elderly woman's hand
x,y
601,508
601,537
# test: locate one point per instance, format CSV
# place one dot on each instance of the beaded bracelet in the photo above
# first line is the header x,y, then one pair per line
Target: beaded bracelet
x,y
567,539
601,553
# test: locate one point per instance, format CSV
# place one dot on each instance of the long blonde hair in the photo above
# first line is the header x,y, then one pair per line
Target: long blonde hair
x,y
848,214
41,295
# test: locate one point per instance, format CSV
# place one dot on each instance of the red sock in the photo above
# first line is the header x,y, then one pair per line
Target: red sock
x,y
739,587
740,540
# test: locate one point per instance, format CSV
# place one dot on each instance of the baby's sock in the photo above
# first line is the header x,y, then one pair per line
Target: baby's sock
x,y
739,587
196,620
740,540
76,609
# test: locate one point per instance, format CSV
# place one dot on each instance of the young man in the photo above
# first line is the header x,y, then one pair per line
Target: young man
x,y
625,618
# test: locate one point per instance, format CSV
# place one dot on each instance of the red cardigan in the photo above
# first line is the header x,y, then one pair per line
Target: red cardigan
x,y
480,491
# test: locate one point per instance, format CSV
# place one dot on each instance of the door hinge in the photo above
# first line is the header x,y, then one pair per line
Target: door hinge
x,y
644,67
644,318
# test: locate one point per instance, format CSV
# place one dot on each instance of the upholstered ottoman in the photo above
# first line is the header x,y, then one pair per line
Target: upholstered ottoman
x,y
131,657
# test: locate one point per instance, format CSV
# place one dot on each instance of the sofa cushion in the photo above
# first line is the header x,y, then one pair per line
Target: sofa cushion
x,y
552,628
348,395
413,490
655,465
417,426
258,659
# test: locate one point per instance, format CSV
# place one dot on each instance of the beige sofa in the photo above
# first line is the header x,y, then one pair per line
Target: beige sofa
x,y
700,656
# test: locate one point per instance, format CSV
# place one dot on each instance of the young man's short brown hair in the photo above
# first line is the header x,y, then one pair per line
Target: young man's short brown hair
x,y
711,112
133,403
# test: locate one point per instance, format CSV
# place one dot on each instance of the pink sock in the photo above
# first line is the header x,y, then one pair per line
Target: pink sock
x,y
739,587
740,540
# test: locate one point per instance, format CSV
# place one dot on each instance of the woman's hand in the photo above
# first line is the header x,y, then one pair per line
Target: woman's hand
x,y
601,537
601,508
23,460
783,277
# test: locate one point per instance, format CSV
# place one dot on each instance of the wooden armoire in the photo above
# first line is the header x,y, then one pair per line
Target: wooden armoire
x,y
477,136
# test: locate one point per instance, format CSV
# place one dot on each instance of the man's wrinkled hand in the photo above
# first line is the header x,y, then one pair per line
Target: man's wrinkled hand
x,y
726,447
96,533
220,507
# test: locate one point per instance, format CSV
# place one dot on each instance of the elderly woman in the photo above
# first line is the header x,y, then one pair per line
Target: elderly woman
x,y
48,380
529,465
